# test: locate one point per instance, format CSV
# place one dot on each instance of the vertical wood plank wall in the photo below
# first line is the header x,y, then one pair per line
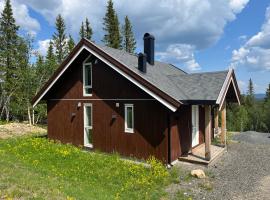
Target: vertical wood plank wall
x,y
181,132
150,117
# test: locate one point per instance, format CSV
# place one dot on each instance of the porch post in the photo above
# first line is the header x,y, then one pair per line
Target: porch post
x,y
216,120
207,132
223,124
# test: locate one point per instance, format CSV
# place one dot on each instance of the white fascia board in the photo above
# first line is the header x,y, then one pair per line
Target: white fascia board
x,y
219,99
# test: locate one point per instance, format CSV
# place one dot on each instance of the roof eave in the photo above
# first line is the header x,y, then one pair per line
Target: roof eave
x,y
230,78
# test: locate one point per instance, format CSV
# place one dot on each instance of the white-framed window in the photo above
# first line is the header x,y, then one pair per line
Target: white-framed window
x,y
129,118
88,125
87,77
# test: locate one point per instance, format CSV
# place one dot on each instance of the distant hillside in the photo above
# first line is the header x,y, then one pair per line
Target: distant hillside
x,y
259,96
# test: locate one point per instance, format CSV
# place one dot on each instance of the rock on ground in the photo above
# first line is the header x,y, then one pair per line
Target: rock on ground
x,y
199,173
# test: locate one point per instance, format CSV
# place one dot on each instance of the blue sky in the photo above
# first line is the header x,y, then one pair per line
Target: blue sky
x,y
195,35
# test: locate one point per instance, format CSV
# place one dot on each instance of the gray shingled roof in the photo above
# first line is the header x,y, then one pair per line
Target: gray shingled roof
x,y
174,81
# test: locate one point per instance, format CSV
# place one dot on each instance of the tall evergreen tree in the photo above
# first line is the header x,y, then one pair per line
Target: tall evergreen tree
x,y
249,101
82,31
88,30
10,58
112,37
60,39
71,43
50,62
250,88
129,42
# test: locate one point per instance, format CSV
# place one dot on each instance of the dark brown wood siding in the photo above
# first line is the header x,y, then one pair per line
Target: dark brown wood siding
x,y
150,135
180,132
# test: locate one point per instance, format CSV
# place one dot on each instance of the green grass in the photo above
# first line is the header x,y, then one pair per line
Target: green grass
x,y
37,168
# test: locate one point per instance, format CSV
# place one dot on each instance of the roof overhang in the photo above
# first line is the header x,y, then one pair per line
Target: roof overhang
x,y
119,67
230,80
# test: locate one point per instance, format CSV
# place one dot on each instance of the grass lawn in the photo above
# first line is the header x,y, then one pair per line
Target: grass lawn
x,y
37,168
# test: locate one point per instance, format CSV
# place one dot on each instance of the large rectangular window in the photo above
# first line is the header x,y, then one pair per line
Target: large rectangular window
x,y
87,79
88,127
129,118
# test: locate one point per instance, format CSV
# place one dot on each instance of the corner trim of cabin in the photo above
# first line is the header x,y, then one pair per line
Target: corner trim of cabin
x,y
169,160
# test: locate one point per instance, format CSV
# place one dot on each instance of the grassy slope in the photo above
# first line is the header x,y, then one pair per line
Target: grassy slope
x,y
36,168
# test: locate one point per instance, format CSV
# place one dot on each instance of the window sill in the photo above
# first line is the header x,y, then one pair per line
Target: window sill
x,y
129,131
90,146
87,95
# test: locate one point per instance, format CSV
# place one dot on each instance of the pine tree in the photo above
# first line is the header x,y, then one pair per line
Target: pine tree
x,y
250,98
129,42
10,44
250,88
82,31
112,37
71,43
267,94
88,30
51,63
60,39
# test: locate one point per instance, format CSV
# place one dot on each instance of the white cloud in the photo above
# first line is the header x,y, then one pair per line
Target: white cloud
x,y
238,5
23,19
255,53
181,55
43,46
197,23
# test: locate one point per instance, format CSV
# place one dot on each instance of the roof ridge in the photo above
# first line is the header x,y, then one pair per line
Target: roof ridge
x,y
211,72
178,68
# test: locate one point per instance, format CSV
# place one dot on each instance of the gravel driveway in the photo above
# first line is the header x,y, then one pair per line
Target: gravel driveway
x,y
244,171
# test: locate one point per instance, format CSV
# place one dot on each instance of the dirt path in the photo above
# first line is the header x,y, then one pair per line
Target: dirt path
x,y
18,129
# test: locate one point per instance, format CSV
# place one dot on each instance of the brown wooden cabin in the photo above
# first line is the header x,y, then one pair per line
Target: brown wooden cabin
x,y
109,100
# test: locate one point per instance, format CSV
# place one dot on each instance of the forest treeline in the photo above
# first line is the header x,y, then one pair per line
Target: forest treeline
x,y
253,114
21,78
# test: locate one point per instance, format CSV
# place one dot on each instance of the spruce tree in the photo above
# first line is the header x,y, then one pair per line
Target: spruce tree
x,y
60,39
71,43
249,101
129,42
88,30
82,31
10,50
250,88
50,62
112,37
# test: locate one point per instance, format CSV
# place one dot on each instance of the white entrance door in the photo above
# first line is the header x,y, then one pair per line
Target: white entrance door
x,y
195,125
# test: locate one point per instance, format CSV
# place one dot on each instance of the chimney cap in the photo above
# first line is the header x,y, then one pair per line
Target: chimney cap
x,y
148,36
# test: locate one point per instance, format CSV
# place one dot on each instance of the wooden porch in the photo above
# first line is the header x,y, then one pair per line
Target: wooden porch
x,y
197,156
206,152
